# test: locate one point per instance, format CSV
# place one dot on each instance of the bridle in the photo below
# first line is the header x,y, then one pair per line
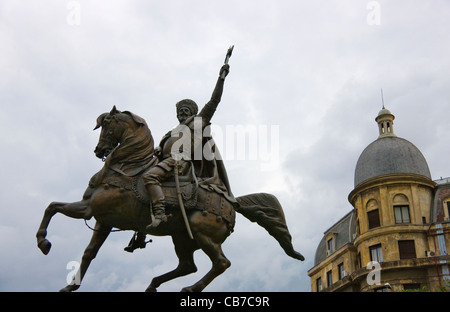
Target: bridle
x,y
108,140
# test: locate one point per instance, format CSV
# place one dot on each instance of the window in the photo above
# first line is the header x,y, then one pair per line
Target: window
x,y
341,271
406,249
358,260
330,245
376,253
411,286
373,218
448,209
401,209
329,278
318,284
401,214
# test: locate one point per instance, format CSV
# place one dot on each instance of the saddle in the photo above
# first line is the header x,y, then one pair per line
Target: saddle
x,y
188,189
203,198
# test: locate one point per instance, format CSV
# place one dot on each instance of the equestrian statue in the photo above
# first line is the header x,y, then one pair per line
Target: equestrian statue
x,y
180,189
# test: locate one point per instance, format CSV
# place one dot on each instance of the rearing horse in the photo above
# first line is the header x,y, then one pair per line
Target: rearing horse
x,y
126,145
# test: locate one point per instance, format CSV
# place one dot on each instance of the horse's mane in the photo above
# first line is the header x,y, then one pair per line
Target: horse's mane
x,y
136,146
134,152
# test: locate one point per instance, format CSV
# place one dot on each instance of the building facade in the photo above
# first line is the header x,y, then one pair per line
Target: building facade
x,y
396,237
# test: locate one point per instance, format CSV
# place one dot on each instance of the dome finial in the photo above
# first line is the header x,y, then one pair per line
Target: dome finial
x,y
385,120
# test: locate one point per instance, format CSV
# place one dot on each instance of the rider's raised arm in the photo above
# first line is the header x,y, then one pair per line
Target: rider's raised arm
x,y
208,110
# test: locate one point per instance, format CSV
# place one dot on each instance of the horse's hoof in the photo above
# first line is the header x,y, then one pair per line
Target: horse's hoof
x,y
198,287
151,289
69,288
193,288
45,246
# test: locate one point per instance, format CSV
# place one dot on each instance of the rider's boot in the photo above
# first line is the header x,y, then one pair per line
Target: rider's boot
x,y
137,241
158,205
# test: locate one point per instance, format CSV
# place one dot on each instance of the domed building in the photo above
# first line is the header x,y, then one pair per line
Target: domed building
x,y
396,235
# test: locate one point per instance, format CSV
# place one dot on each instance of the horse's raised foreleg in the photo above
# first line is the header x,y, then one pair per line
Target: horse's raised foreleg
x,y
77,210
99,236
184,248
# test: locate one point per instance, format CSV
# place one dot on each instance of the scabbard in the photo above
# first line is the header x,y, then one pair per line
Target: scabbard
x,y
180,201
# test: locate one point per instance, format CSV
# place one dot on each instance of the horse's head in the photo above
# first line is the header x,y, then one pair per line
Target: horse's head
x,y
118,126
111,133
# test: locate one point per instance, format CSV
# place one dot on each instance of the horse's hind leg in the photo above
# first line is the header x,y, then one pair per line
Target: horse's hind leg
x,y
184,248
77,210
99,236
213,248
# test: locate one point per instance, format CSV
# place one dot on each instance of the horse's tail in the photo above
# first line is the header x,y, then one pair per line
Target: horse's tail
x,y
266,210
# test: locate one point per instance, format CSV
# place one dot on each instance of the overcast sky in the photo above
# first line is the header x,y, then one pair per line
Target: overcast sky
x,y
306,74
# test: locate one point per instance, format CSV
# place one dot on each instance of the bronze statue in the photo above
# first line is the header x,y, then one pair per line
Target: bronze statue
x,y
164,170
137,185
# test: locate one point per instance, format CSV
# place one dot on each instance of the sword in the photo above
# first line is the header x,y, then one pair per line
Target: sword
x,y
227,58
180,200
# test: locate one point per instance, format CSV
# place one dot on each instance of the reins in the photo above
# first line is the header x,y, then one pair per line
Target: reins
x,y
111,231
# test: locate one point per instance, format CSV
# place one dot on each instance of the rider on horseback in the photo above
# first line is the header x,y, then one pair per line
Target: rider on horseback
x,y
186,112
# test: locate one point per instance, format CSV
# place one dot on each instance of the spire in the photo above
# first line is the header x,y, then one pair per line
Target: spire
x,y
385,121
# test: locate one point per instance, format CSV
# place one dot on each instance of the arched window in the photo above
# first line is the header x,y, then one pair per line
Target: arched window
x,y
373,214
401,209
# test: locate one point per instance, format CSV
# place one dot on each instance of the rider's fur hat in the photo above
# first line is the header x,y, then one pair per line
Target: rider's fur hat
x,y
190,104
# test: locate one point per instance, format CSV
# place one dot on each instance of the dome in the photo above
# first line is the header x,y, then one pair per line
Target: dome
x,y
343,232
390,155
384,111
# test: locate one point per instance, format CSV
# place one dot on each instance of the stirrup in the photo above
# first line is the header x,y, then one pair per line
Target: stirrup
x,y
135,244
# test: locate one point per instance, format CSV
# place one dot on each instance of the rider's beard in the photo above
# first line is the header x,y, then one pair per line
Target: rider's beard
x,y
182,117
